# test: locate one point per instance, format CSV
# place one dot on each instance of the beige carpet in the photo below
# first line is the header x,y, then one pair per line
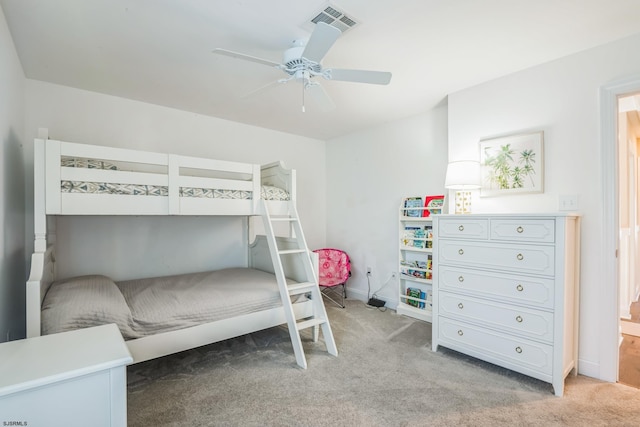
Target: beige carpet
x,y
385,375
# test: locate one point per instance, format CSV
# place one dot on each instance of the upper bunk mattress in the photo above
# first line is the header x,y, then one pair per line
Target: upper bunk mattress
x,y
150,306
268,192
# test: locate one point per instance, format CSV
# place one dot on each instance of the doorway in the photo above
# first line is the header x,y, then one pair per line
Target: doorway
x,y
628,110
609,330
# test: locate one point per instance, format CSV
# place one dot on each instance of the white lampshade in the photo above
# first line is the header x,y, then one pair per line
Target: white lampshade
x,y
463,175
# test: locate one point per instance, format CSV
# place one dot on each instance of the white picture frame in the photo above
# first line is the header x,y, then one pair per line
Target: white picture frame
x,y
512,164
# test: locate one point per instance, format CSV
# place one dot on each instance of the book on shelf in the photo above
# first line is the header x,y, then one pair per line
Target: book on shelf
x,y
433,205
417,269
418,237
416,204
418,274
429,231
417,263
409,235
420,241
422,300
414,293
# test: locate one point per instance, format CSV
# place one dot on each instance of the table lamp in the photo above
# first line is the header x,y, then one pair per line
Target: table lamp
x,y
463,176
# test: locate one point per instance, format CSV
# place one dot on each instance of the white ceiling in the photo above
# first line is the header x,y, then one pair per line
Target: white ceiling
x,y
159,51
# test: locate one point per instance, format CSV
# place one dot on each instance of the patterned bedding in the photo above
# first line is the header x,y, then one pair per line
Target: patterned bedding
x,y
267,192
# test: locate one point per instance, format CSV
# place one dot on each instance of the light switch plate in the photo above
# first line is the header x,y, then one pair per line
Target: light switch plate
x,y
568,202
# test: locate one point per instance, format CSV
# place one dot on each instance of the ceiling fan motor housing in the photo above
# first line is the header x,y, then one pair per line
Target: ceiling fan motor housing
x,y
295,64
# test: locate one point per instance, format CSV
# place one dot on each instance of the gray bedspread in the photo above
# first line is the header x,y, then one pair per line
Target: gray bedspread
x,y
149,306
169,303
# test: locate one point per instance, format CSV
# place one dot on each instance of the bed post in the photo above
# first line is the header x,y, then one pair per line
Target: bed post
x,y
40,278
257,187
38,258
173,170
39,214
292,185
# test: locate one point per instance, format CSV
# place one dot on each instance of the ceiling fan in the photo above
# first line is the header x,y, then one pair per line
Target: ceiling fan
x,y
302,62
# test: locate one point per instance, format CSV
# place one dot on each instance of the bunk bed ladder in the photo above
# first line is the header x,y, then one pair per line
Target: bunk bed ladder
x,y
309,286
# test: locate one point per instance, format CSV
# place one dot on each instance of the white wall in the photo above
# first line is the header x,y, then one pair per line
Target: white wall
x,y
118,244
368,175
561,99
13,270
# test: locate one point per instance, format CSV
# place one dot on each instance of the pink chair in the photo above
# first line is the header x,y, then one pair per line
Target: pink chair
x,y
335,270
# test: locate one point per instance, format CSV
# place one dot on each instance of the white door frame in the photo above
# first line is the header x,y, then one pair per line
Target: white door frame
x,y
610,292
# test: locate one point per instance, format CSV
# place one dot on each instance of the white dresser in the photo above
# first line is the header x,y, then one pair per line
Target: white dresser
x,y
69,379
506,290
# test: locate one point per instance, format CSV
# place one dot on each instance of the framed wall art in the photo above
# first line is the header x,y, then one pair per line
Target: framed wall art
x,y
512,164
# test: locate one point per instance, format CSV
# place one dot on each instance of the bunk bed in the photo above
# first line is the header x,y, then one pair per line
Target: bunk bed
x,y
79,179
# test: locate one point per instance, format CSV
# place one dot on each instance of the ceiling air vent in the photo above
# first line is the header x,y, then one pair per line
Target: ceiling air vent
x,y
334,17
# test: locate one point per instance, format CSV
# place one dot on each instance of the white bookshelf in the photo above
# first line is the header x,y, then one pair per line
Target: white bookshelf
x,y
415,242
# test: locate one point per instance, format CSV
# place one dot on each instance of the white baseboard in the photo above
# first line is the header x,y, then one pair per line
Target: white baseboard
x,y
588,369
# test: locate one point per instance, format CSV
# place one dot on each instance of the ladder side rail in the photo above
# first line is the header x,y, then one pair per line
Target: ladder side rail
x,y
297,226
320,310
294,333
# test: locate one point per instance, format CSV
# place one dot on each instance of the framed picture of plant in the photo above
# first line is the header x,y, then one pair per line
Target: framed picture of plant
x,y
512,164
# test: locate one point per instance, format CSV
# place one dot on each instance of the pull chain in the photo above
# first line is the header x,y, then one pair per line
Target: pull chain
x,y
303,84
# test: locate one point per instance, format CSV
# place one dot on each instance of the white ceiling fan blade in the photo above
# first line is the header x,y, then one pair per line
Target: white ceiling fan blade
x,y
262,88
321,40
360,76
245,57
320,97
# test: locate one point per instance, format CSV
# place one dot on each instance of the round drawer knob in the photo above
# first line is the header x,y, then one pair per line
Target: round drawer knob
x,y
460,251
520,257
519,319
518,349
460,332
520,288
519,229
461,228
460,306
460,279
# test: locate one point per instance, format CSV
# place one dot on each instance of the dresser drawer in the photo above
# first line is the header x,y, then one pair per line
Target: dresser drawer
x,y
535,324
518,354
533,291
516,258
466,228
523,230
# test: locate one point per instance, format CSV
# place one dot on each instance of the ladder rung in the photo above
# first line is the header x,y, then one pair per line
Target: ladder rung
x,y
292,251
310,323
284,219
301,288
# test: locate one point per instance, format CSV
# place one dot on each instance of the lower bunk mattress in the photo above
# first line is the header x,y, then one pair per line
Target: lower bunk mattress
x,y
151,306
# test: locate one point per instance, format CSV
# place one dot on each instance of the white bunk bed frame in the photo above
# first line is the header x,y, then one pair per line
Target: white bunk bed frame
x,y
168,170
50,200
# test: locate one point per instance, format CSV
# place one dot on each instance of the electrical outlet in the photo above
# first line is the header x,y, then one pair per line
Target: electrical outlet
x,y
368,271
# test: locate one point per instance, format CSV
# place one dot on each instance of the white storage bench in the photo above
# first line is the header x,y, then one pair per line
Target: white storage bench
x,y
68,379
